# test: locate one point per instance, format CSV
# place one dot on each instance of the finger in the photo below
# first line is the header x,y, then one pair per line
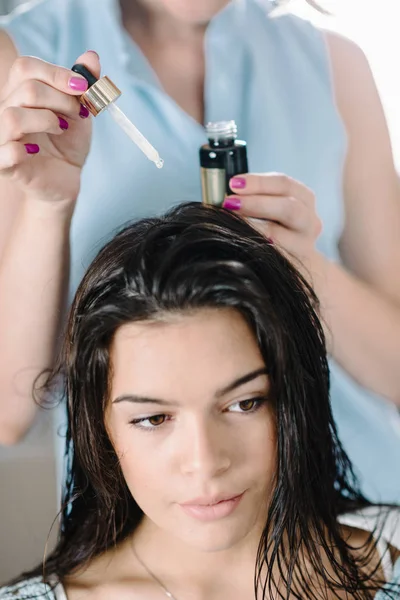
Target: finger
x,y
27,68
62,79
285,242
289,212
14,154
274,233
271,184
266,228
16,122
260,225
36,94
91,61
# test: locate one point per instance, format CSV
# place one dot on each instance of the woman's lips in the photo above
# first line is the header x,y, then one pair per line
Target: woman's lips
x,y
212,512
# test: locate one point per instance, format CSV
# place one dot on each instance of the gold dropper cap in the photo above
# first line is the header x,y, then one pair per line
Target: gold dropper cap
x,y
100,95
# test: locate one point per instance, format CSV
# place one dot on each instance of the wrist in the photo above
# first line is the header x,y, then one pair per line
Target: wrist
x,y
319,267
322,270
36,208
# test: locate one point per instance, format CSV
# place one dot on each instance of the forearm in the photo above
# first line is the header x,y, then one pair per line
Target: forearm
x,y
362,328
34,270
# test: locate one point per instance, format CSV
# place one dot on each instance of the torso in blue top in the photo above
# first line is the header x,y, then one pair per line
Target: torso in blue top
x,y
272,76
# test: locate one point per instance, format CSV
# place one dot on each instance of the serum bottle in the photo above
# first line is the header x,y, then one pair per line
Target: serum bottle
x,y
221,159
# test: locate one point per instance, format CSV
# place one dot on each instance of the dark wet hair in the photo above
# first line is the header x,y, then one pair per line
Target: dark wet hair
x,y
198,257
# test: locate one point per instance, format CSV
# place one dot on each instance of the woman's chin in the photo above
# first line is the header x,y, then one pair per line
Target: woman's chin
x,y
219,535
194,13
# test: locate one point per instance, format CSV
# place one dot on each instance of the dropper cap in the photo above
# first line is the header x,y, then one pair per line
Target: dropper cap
x,y
101,93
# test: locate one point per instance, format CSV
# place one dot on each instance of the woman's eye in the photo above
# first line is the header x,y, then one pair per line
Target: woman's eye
x,y
156,420
250,405
150,422
247,405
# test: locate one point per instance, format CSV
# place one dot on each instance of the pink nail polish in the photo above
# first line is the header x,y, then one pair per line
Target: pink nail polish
x,y
232,203
63,123
84,112
32,148
93,52
238,183
79,84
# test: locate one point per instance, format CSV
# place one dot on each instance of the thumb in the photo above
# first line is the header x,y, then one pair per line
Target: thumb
x,y
91,61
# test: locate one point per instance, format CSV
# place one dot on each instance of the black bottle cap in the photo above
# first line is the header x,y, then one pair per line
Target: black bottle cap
x,y
82,70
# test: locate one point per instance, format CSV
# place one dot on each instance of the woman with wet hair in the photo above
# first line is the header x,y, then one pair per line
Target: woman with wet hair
x,y
203,459
319,157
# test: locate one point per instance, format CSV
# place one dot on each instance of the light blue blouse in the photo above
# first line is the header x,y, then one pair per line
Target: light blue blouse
x,y
270,74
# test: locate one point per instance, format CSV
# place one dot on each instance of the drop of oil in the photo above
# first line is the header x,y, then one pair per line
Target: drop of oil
x,y
159,163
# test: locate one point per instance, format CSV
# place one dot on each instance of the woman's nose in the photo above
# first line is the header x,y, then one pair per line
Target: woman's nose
x,y
205,451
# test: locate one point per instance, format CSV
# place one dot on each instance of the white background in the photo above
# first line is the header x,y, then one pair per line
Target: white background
x,y
375,26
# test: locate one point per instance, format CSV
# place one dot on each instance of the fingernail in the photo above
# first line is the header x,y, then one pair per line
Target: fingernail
x,y
93,52
63,123
79,84
232,203
32,148
238,182
84,112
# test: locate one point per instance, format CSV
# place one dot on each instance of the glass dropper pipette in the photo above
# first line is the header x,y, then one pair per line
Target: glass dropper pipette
x,y
100,96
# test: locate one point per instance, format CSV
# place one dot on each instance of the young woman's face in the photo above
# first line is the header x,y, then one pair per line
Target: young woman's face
x,y
192,425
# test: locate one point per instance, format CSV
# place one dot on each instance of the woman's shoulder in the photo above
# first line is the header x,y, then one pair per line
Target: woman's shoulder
x,y
384,525
33,588
383,521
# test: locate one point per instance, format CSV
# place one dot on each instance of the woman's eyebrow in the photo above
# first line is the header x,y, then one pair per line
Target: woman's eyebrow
x,y
241,381
142,400
149,400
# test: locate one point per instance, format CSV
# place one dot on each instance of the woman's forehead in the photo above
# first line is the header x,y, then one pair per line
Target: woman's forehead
x,y
207,349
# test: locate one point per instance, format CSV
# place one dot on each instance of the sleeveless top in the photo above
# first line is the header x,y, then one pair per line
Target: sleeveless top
x,y
269,73
387,522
